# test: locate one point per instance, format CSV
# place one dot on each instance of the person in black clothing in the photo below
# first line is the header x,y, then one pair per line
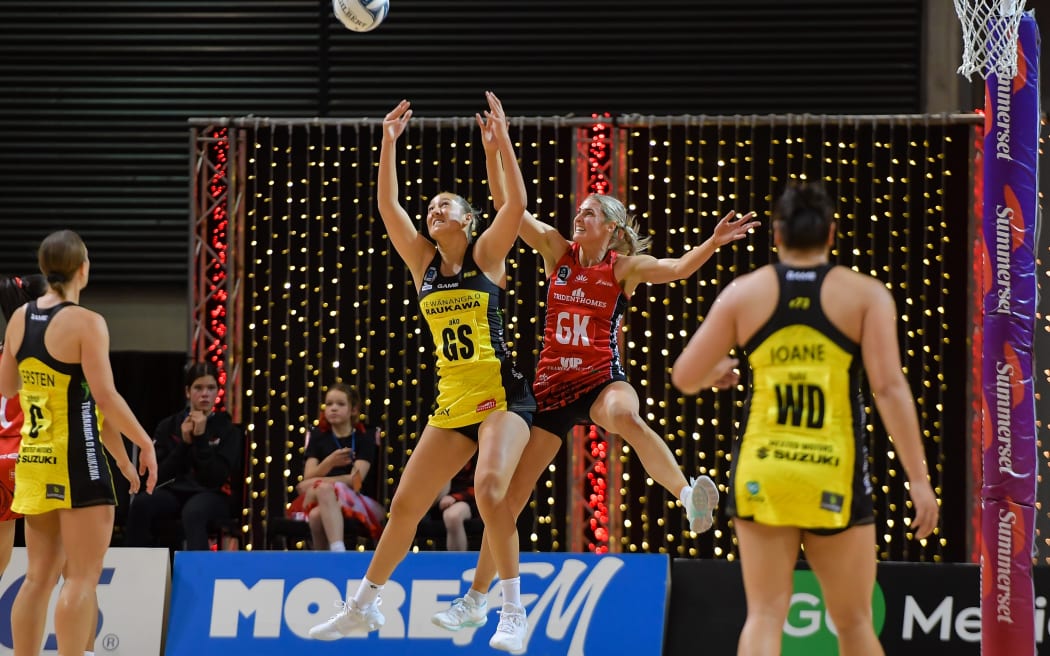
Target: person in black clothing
x,y
339,453
199,455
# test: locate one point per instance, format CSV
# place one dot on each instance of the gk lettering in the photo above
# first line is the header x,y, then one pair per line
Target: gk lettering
x,y
572,329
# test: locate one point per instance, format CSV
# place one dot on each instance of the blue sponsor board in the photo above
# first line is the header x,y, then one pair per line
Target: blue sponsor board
x,y
264,603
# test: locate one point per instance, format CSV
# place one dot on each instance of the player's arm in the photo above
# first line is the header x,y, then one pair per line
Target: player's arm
x,y
415,249
704,360
895,402
648,269
541,237
495,243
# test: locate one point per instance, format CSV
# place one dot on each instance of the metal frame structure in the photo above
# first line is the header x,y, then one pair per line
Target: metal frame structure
x,y
594,462
218,202
216,240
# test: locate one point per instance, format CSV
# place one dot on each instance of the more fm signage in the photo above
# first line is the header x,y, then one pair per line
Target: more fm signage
x,y
264,603
132,592
918,608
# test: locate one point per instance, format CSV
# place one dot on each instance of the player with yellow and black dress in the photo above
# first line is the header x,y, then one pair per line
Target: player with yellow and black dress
x,y
476,373
799,474
63,484
60,461
802,459
483,403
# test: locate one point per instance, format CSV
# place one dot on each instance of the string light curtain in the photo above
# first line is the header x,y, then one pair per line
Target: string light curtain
x,y
326,299
902,188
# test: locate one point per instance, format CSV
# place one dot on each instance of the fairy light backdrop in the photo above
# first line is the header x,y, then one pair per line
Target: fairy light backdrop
x,y
326,299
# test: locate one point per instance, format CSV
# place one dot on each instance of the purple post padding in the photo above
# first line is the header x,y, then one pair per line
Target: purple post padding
x,y
1007,590
1009,306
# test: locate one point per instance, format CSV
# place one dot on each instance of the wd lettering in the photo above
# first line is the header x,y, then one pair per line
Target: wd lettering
x,y
800,401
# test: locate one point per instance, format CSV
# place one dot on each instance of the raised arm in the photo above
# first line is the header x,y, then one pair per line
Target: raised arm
x,y
495,243
541,237
647,269
893,398
415,249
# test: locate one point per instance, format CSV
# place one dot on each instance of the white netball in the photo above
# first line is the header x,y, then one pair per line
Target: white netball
x,y
360,15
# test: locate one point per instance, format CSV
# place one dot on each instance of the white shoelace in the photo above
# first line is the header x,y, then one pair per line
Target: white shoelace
x,y
345,607
510,622
459,609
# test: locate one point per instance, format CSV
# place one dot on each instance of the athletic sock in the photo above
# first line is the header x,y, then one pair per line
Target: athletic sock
x,y
338,545
511,589
367,593
477,597
683,496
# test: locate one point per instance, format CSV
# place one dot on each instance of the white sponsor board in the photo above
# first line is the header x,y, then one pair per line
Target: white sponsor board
x,y
132,598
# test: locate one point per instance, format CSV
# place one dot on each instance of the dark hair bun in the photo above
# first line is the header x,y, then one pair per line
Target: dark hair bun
x,y
804,213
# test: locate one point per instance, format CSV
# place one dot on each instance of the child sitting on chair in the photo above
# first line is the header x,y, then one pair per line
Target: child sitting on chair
x,y
339,454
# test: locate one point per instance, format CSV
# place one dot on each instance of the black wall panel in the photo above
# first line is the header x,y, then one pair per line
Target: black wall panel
x,y
94,96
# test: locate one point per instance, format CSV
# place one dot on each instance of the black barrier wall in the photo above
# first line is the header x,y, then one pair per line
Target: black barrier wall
x,y
919,608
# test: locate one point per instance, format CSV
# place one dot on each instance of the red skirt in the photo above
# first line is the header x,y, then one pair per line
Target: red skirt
x,y
355,505
8,458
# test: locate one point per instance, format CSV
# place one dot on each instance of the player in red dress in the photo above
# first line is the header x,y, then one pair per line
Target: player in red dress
x,y
579,377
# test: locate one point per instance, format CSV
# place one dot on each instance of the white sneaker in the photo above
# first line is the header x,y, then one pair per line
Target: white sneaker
x,y
464,613
702,500
511,630
349,619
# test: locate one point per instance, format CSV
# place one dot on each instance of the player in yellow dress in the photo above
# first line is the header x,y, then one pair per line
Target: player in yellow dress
x,y
808,330
57,361
484,404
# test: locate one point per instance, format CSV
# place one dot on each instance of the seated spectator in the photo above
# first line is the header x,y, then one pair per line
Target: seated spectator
x,y
339,455
457,506
199,455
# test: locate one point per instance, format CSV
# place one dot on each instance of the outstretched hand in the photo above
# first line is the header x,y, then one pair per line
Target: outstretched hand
x,y
394,123
493,123
733,227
